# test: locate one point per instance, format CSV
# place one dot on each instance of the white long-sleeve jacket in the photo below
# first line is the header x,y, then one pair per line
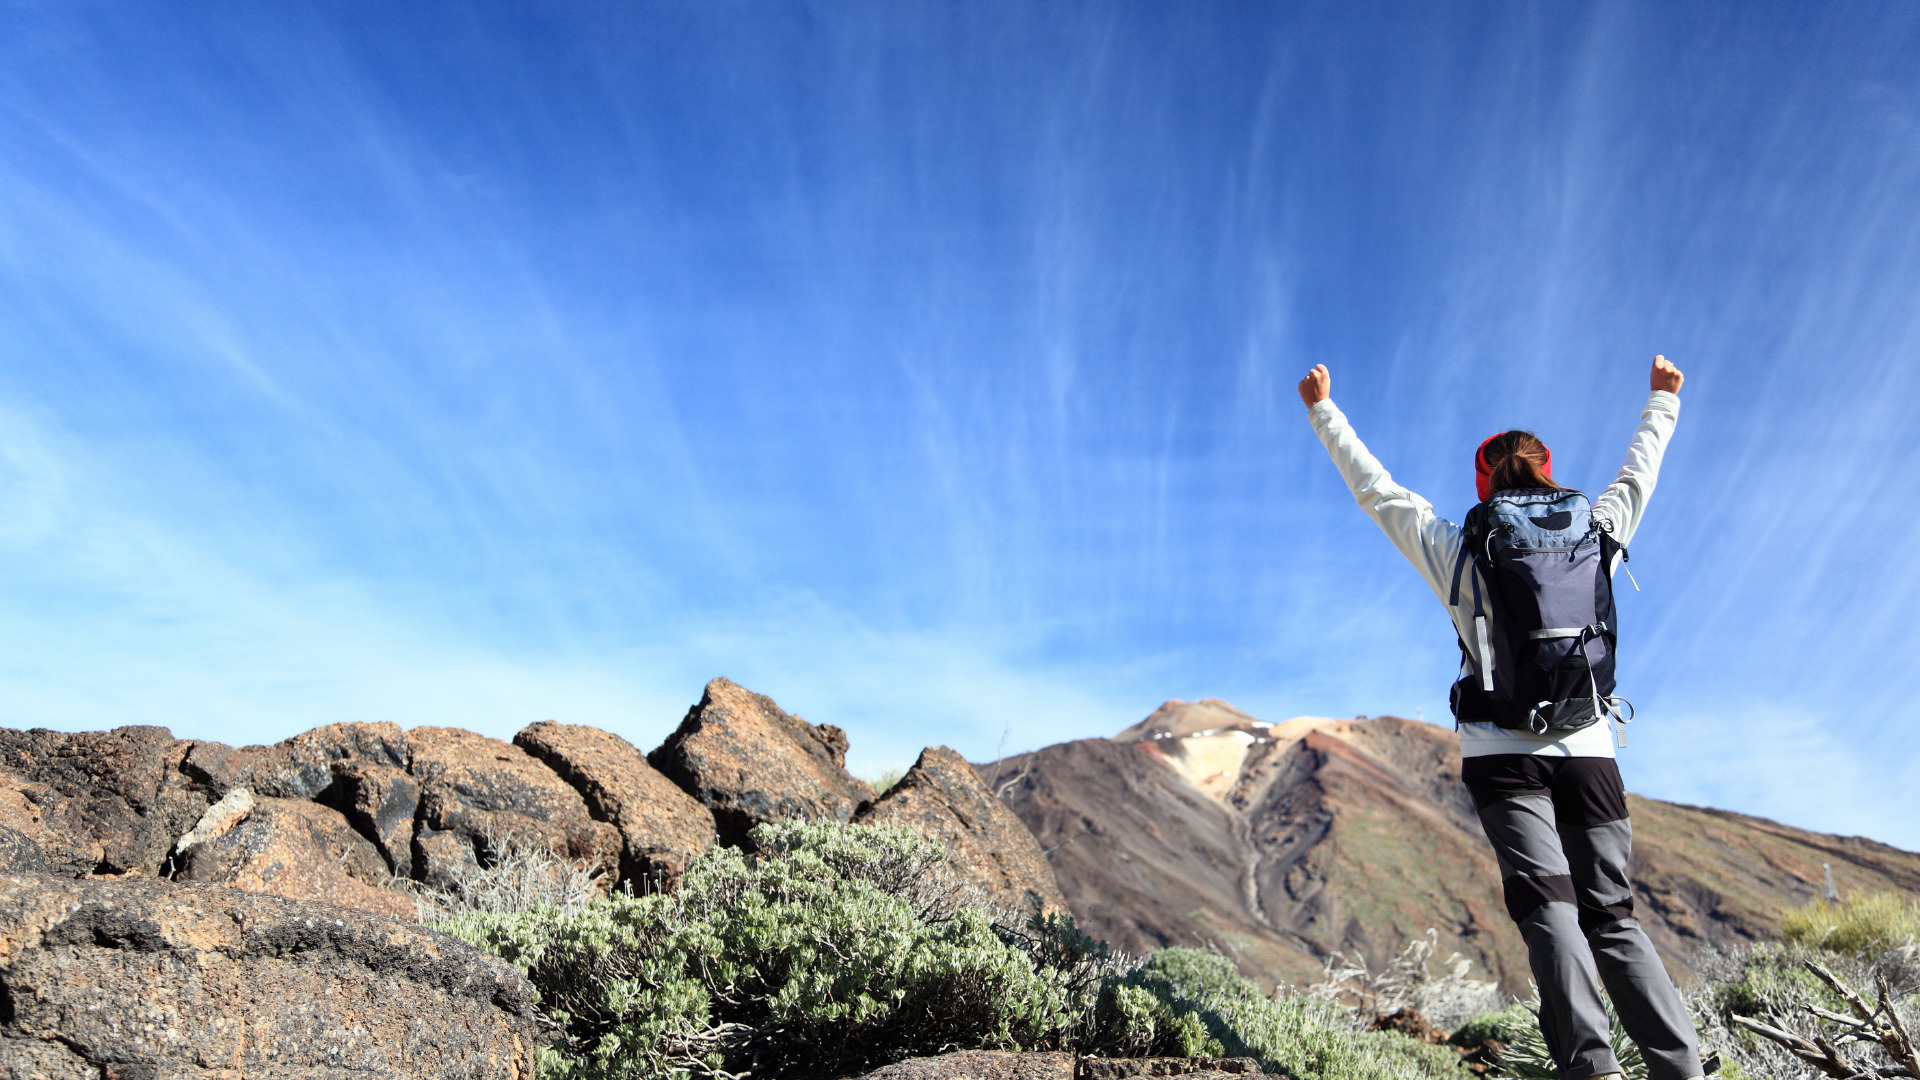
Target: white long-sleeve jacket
x,y
1432,544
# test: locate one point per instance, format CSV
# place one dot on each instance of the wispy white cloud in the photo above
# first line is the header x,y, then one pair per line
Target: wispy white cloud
x,y
934,373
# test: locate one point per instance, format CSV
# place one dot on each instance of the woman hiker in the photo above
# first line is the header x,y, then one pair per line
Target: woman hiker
x,y
1527,582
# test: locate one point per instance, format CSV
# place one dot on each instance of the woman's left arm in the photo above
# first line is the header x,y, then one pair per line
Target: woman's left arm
x,y
1625,500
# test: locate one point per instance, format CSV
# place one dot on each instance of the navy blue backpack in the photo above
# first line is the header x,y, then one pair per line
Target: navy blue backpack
x,y
1546,624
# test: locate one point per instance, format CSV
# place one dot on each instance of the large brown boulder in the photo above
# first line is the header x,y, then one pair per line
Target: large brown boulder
x,y
108,802
296,849
132,978
944,800
298,768
749,762
661,827
479,795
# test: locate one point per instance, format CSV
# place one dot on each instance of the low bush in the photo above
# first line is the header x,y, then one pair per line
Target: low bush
x,y
1290,1034
1498,1025
1866,925
830,951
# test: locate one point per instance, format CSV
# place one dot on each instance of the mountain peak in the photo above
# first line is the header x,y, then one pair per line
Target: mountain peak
x,y
1279,844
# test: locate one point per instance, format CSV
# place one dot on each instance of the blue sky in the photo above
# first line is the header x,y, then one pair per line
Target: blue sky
x,y
930,367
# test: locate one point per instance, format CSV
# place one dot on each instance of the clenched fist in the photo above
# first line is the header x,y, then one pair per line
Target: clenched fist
x,y
1665,377
1313,388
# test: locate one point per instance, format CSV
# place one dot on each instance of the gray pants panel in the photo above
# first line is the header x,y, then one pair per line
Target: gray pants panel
x,y
1572,1017
1525,842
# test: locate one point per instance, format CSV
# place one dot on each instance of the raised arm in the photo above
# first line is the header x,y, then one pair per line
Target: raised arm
x,y
1625,500
1429,542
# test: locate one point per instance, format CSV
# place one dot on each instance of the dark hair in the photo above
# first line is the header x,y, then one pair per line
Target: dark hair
x,y
1518,459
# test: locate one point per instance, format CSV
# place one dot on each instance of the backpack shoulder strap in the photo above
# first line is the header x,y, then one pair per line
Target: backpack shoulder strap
x,y
1467,532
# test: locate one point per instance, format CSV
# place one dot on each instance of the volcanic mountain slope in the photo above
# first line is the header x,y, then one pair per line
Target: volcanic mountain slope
x,y
1282,843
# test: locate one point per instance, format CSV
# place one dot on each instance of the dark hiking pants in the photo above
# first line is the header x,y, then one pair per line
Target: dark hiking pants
x,y
1559,828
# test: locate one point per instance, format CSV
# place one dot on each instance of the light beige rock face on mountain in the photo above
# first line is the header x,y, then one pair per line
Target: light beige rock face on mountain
x,y
478,794
749,762
944,800
146,978
661,827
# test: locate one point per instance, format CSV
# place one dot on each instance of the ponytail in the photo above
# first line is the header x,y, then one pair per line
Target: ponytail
x,y
1514,459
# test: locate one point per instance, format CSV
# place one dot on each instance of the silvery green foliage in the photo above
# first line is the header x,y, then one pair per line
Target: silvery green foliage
x,y
833,949
1291,1034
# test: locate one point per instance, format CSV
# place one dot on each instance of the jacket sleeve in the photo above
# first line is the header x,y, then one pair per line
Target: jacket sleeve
x,y
1625,500
1430,542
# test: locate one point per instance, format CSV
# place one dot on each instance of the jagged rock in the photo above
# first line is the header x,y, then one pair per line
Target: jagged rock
x,y
144,978
380,801
296,768
661,827
97,801
297,849
749,762
943,799
980,1065
478,794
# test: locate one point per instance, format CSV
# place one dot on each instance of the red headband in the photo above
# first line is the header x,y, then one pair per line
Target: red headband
x,y
1483,473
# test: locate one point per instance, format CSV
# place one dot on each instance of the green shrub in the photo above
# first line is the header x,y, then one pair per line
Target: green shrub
x,y
1290,1034
1866,925
817,955
1502,1026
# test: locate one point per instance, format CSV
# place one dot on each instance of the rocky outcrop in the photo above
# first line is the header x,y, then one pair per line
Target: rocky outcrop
x,y
944,800
296,849
478,795
749,762
661,827
139,977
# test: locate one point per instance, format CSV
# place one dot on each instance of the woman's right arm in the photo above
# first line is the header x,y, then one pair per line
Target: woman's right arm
x,y
1430,542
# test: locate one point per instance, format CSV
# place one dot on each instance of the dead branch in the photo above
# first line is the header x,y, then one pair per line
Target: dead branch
x,y
1823,1057
1846,992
